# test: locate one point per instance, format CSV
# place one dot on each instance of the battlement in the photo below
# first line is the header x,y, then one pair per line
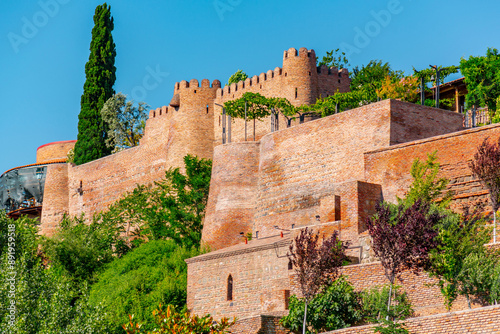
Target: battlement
x,y
299,80
250,84
193,83
325,70
158,112
303,52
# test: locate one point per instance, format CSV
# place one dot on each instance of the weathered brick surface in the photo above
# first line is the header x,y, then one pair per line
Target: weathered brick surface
x,y
389,166
260,277
299,81
54,151
261,324
55,199
481,320
300,165
231,203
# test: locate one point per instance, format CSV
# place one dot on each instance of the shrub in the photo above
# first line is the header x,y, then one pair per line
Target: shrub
x,y
339,306
375,304
153,273
172,322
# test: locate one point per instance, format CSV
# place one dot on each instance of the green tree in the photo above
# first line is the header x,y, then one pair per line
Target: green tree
x,y
317,263
173,208
98,88
338,306
334,58
45,300
426,186
370,77
460,239
82,249
238,76
152,273
375,304
482,77
125,121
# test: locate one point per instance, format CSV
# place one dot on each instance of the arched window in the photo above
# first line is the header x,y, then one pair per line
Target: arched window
x,y
230,288
290,265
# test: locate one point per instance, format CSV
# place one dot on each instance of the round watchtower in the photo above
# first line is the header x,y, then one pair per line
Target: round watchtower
x,y
300,76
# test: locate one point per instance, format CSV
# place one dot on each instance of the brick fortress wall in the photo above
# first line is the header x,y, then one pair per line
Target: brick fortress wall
x,y
299,81
186,127
54,151
299,166
390,166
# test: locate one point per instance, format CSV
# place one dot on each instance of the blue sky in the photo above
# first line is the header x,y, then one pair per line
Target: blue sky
x,y
44,46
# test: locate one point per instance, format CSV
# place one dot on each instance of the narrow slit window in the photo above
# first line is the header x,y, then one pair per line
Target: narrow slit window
x,y
290,265
230,288
296,93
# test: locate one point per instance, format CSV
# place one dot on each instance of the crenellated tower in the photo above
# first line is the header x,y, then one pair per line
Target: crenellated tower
x,y
300,79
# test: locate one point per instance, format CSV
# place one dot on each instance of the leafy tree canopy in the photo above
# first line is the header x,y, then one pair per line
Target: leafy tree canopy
x,y
454,262
426,186
82,249
258,106
482,77
126,122
238,76
98,88
173,208
334,58
170,321
45,301
338,306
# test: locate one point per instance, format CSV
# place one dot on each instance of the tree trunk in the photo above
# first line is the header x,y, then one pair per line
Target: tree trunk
x,y
305,316
468,300
494,226
389,301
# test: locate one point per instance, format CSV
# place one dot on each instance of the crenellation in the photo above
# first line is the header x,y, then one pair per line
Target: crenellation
x,y
193,83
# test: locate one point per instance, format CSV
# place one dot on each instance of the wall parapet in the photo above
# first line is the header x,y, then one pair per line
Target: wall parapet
x,y
480,320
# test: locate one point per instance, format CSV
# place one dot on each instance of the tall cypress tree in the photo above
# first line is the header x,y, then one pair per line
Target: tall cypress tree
x,y
98,88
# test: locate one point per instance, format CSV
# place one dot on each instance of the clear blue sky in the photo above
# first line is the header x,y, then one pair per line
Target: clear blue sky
x,y
44,48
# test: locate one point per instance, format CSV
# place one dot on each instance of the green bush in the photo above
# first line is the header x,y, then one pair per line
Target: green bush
x,y
339,306
375,304
81,249
151,274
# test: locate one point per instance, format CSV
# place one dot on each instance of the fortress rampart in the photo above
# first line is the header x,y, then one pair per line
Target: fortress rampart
x,y
299,166
188,125
299,81
54,151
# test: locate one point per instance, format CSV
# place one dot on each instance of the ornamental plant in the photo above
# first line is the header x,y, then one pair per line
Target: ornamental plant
x,y
170,321
485,166
402,237
317,263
